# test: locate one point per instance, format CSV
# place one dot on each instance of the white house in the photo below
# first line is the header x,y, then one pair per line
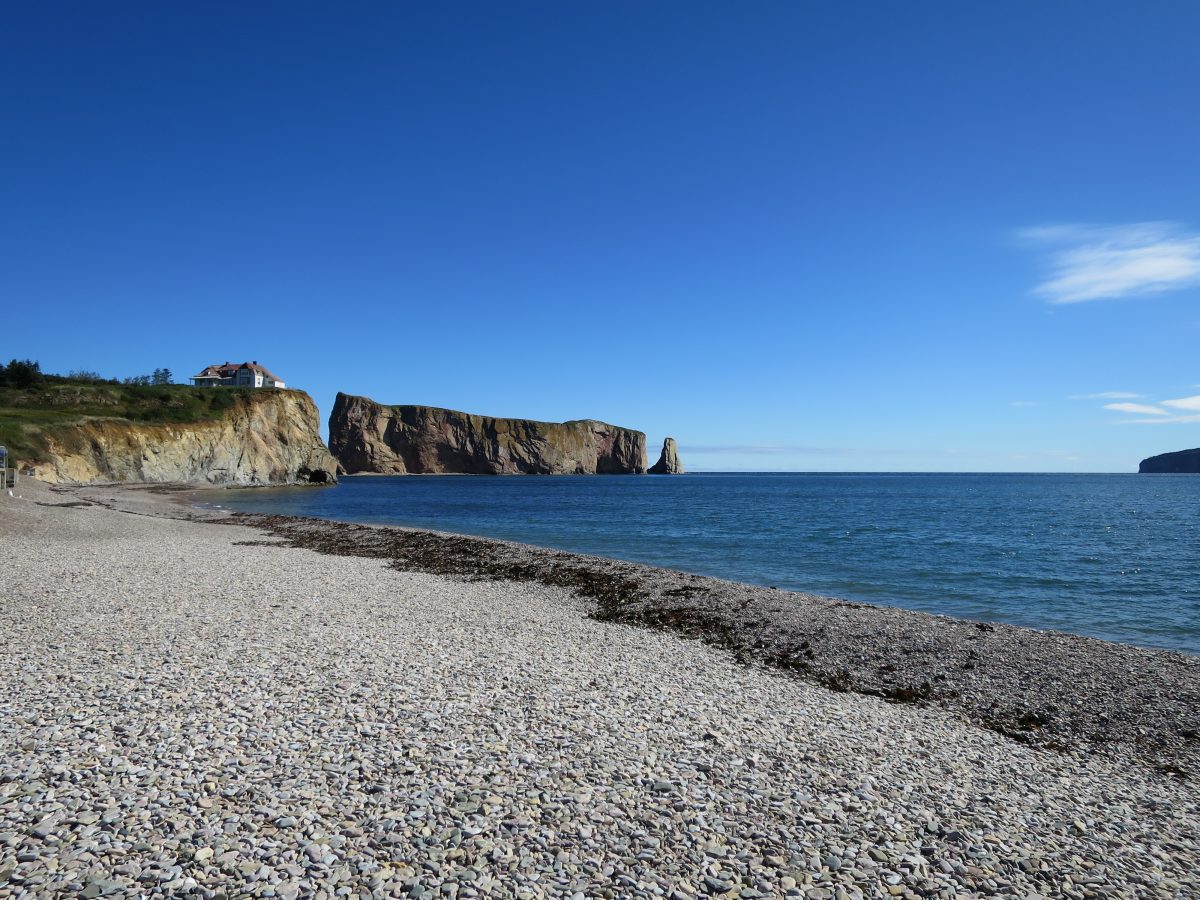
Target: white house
x,y
247,374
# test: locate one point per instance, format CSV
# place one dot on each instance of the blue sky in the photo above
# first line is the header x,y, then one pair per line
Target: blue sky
x,y
863,236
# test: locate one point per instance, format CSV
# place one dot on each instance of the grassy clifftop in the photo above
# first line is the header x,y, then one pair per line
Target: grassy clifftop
x,y
28,415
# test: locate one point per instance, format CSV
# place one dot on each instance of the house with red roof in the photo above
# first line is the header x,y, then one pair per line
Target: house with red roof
x,y
247,374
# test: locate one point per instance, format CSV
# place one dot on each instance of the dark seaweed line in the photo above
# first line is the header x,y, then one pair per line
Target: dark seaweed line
x,y
1018,682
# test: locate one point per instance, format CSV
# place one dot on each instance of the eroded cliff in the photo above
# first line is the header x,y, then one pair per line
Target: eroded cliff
x,y
366,436
259,437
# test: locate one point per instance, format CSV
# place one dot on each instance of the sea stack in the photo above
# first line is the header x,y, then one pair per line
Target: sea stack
x,y
1181,462
668,461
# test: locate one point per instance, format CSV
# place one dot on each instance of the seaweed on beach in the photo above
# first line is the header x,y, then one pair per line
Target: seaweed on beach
x,y
1047,690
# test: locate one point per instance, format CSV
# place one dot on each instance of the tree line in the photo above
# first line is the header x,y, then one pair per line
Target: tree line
x,y
23,373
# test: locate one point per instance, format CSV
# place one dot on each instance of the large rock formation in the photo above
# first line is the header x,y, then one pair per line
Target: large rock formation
x,y
366,436
1178,463
265,437
668,461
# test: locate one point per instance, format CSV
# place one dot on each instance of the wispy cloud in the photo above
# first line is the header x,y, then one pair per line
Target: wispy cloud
x,y
1091,262
768,449
797,450
1107,395
1184,403
1161,412
1024,403
1139,408
1166,420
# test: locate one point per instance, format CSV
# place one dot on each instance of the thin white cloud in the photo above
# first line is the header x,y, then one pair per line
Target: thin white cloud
x,y
773,449
1024,403
1107,395
1090,262
1161,412
1138,408
764,448
785,449
1166,420
1184,403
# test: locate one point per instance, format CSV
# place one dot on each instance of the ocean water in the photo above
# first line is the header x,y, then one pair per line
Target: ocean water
x,y
1111,556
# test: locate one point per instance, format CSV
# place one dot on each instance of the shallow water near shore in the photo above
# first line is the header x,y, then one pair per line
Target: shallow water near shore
x,y
1110,556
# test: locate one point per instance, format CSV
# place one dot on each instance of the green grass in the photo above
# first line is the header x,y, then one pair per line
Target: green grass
x,y
27,415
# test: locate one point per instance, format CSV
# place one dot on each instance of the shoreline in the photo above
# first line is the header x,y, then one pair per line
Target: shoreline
x,y
1126,582
1052,690
187,709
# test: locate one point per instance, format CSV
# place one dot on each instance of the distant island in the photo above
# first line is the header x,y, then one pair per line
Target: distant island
x,y
1181,462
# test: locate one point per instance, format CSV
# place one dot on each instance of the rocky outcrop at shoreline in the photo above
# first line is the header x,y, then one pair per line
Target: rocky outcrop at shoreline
x,y
668,461
366,436
264,437
1181,462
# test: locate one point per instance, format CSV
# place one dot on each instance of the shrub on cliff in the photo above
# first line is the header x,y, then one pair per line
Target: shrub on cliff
x,y
21,373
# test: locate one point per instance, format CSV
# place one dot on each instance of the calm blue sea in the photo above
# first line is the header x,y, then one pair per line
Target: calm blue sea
x,y
1112,556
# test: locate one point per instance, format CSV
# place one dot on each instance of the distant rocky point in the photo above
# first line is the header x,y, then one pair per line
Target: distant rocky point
x,y
668,461
1181,462
370,437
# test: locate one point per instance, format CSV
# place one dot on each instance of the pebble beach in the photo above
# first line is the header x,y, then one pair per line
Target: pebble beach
x,y
212,709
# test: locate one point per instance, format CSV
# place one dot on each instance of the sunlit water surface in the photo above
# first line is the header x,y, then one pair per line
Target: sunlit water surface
x,y
1112,556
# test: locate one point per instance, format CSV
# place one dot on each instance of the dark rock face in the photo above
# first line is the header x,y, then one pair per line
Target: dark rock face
x,y
1180,462
668,461
366,436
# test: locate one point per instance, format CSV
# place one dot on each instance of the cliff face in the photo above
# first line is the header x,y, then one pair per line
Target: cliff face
x,y
1178,463
669,462
366,436
267,437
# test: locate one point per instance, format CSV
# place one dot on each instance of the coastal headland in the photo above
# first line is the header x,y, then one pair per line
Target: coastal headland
x,y
1181,462
254,706
370,437
68,430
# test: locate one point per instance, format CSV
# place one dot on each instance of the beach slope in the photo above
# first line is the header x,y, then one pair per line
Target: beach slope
x,y
212,708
